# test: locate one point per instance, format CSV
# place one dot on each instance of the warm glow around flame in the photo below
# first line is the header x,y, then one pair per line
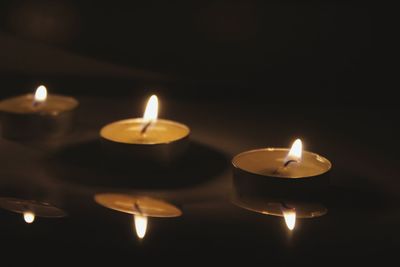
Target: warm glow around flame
x,y
151,112
290,218
41,94
296,151
140,225
29,217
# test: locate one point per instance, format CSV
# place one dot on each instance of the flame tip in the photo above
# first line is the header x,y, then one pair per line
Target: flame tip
x,y
151,112
41,94
296,150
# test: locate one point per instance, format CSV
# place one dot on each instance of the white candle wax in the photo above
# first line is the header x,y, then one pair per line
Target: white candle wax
x,y
266,162
159,132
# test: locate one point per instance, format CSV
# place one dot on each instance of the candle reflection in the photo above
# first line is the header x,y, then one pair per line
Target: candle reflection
x,y
29,217
31,209
142,208
140,223
289,210
290,217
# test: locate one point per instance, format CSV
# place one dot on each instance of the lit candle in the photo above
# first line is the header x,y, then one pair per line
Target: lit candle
x,y
282,168
147,137
30,209
36,116
142,208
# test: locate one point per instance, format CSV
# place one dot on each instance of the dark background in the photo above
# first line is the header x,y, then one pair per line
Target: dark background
x,y
318,52
242,75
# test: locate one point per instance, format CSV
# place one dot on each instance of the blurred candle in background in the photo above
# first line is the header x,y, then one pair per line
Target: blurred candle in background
x,y
37,116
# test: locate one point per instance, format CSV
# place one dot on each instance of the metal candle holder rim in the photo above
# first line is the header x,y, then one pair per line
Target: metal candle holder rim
x,y
148,144
234,164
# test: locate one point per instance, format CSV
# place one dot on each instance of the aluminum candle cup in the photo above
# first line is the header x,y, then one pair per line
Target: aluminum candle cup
x,y
281,182
164,141
146,138
24,118
261,171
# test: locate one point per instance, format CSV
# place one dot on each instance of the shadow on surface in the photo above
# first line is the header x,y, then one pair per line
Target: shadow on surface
x,y
88,164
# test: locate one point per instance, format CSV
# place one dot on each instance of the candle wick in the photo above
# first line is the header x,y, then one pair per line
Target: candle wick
x,y
285,165
288,162
35,103
285,206
145,127
138,208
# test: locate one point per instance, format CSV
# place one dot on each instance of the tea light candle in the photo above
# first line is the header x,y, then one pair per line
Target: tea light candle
x,y
140,207
281,168
30,209
36,116
147,137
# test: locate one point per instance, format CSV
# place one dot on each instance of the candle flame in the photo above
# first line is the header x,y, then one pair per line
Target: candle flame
x,y
140,225
290,218
29,217
41,94
151,112
295,152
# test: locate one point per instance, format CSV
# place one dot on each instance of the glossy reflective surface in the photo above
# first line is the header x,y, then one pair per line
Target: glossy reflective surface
x,y
31,208
362,216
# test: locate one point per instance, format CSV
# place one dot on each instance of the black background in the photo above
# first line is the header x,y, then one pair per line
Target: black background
x,y
319,52
242,74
